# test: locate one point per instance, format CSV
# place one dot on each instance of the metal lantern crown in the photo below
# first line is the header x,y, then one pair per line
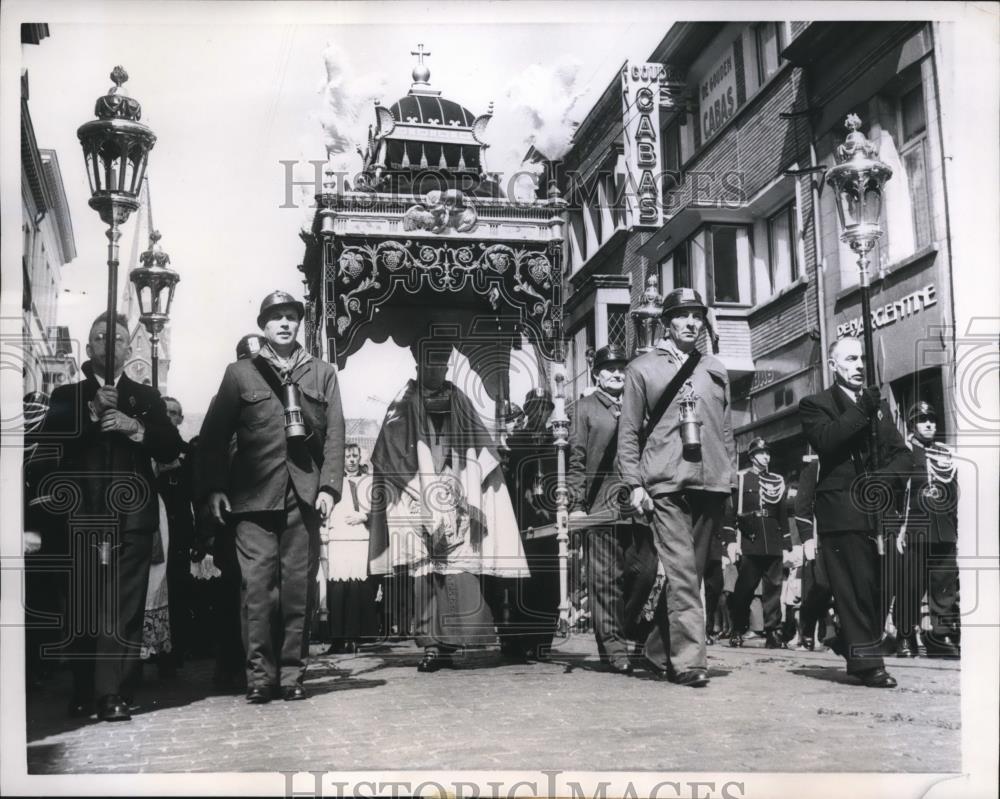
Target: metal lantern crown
x,y
116,147
647,316
858,179
154,283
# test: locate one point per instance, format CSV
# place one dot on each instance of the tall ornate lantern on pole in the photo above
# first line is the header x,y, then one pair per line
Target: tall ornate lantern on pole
x,y
154,283
116,147
646,317
858,180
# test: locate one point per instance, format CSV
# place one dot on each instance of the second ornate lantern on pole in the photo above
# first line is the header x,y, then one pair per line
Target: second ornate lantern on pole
x,y
647,317
154,283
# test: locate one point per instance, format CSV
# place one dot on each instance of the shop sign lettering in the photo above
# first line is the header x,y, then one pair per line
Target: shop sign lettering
x,y
641,110
889,314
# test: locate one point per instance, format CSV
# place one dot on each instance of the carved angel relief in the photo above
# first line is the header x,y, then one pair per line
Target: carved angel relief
x,y
441,210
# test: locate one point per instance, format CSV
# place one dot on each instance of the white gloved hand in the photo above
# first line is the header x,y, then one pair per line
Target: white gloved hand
x,y
809,550
733,551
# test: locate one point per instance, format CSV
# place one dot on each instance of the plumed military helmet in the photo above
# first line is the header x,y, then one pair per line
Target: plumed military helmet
x,y
249,346
919,409
682,299
608,355
276,299
757,445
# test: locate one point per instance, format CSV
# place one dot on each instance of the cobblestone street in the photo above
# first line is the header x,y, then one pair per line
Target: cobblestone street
x,y
765,710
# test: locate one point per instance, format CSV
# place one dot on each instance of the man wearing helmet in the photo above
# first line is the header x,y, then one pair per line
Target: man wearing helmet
x,y
929,540
285,477
759,536
676,400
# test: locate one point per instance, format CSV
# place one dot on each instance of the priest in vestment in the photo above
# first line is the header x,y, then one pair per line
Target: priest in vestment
x,y
441,509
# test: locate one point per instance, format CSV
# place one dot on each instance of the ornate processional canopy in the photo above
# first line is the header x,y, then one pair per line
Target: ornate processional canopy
x,y
427,235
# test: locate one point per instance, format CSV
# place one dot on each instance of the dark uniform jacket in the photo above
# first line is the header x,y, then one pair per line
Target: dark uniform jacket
x,y
838,430
661,466
83,452
176,488
593,440
265,461
763,526
805,500
531,477
932,507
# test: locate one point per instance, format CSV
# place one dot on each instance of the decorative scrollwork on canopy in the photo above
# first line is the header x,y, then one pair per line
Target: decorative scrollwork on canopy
x,y
366,273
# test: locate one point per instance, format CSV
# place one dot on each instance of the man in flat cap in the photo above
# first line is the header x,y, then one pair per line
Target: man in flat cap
x,y
593,486
677,454
284,407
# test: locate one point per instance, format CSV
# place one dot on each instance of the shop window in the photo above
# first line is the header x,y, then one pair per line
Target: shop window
x,y
782,238
727,258
770,36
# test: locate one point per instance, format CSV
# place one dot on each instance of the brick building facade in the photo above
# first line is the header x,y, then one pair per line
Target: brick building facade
x,y
747,119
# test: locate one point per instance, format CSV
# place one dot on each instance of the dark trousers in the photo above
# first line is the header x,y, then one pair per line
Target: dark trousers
x,y
816,595
351,613
931,568
753,569
230,655
533,609
274,550
852,565
180,596
683,524
606,548
106,605
713,591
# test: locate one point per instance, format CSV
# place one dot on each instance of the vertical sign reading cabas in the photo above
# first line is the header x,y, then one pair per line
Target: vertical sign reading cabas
x,y
641,124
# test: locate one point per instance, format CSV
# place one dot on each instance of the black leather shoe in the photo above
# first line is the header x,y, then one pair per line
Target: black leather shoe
x,y
876,678
622,667
692,678
80,708
113,708
259,695
736,640
293,693
773,640
906,648
945,651
431,661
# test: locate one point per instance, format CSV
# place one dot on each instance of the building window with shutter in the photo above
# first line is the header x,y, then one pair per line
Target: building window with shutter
x,y
770,42
782,235
727,261
913,154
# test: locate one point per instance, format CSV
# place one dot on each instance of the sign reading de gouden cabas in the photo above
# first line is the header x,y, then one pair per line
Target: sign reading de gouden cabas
x,y
641,109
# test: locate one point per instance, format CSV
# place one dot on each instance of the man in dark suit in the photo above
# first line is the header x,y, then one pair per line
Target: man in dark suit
x,y
849,492
758,521
928,541
107,437
284,407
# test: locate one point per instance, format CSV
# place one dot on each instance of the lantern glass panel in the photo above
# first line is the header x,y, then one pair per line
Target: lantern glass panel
x,y
872,206
88,158
145,299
